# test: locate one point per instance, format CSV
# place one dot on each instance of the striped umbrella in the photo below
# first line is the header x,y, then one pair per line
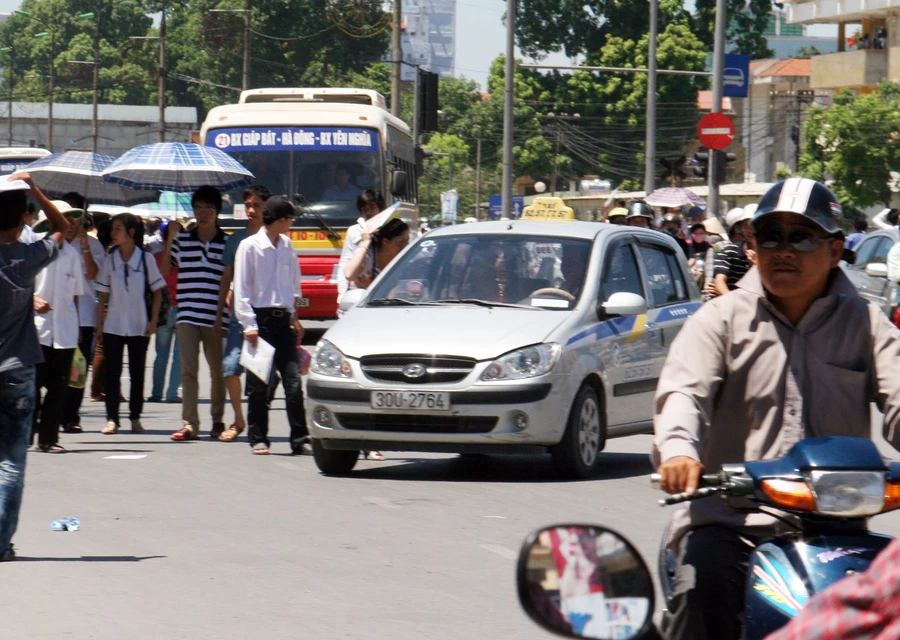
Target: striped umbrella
x,y
79,171
177,166
673,197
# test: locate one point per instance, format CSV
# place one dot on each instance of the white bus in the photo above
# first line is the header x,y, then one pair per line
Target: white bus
x,y
12,159
318,148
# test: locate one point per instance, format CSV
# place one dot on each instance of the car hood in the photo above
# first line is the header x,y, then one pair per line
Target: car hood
x,y
472,332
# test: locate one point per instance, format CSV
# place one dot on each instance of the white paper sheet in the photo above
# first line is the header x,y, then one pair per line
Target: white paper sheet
x,y
258,360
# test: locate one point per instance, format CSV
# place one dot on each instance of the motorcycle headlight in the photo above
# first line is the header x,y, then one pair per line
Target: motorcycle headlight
x,y
523,363
329,361
849,494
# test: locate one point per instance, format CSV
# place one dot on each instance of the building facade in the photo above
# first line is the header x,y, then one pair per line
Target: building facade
x,y
864,58
119,127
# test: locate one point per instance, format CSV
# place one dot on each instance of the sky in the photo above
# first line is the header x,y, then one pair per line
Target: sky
x,y
481,36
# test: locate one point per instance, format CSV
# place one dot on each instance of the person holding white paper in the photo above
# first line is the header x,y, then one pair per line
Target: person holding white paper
x,y
266,286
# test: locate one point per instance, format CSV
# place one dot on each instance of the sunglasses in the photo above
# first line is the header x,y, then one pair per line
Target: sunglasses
x,y
798,239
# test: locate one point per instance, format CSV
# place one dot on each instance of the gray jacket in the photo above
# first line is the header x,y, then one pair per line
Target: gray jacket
x,y
742,383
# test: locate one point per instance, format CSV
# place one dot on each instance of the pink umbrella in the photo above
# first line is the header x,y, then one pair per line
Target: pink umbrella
x,y
673,197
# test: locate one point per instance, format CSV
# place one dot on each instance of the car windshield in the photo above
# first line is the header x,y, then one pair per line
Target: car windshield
x,y
487,270
326,166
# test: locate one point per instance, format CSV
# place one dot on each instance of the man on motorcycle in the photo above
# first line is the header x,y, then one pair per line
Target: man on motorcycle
x,y
792,353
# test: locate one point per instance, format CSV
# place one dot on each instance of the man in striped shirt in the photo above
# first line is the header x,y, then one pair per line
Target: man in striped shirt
x,y
198,256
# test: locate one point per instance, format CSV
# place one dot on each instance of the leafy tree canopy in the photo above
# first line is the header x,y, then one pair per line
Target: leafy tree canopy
x,y
856,144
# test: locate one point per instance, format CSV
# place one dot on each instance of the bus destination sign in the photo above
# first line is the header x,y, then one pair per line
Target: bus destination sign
x,y
293,138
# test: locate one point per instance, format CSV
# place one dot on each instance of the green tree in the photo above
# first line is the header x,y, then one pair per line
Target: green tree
x,y
126,74
856,144
807,52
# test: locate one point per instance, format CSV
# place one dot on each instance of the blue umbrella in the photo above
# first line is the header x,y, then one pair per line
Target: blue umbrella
x,y
177,166
169,205
61,173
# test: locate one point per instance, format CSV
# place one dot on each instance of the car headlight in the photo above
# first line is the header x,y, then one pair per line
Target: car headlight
x,y
329,361
523,363
848,493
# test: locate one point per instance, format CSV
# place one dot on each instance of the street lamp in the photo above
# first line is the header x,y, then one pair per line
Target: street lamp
x,y
49,33
162,71
245,81
96,80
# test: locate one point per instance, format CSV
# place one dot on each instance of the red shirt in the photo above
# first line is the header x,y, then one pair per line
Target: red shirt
x,y
171,280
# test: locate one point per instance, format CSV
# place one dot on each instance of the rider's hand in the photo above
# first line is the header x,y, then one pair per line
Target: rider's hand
x,y
680,474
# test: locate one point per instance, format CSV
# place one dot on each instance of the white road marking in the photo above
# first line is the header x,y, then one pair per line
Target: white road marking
x,y
496,517
381,502
129,456
503,552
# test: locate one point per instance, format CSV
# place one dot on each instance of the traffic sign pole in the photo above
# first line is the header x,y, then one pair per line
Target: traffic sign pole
x,y
712,199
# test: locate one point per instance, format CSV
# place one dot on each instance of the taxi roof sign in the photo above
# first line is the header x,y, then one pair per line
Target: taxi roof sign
x,y
548,208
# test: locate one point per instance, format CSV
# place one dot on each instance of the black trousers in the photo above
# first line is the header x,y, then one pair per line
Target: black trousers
x,y
710,577
114,351
52,374
275,328
74,397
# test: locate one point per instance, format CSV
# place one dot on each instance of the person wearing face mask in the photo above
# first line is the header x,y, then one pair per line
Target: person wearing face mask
x,y
671,225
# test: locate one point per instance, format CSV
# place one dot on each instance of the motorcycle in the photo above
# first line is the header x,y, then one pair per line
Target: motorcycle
x,y
587,581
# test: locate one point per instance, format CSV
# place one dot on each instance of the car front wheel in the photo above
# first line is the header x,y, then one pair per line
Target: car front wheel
x,y
333,462
578,453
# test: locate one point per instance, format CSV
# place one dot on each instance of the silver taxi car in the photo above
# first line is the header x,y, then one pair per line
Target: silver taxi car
x,y
502,337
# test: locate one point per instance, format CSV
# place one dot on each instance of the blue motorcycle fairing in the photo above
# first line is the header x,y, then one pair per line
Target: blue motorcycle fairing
x,y
833,452
784,573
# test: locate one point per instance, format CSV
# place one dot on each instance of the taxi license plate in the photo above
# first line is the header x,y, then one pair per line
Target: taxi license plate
x,y
411,400
303,302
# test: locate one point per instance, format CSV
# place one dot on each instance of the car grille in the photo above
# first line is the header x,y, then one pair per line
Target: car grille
x,y
437,368
416,423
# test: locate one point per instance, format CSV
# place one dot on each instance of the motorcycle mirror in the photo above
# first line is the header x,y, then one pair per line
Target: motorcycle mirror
x,y
582,581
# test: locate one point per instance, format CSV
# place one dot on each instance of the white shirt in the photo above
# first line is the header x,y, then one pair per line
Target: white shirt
x,y
87,303
58,283
351,243
265,275
126,313
28,236
880,220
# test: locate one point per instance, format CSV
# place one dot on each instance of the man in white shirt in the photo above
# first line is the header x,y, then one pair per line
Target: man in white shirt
x,y
266,286
92,253
58,331
370,204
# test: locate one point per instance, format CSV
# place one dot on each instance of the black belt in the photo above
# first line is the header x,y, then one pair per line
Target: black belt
x,y
274,312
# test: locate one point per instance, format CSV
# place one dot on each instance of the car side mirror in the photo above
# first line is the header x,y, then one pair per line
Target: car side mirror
x,y
398,183
582,581
876,270
624,304
351,298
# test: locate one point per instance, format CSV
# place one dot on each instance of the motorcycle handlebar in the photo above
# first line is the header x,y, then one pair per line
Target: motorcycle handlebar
x,y
706,480
710,484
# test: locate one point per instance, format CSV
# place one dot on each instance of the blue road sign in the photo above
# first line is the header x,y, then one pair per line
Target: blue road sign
x,y
496,205
736,80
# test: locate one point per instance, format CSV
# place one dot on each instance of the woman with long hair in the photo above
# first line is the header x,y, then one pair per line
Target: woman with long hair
x,y
126,321
376,251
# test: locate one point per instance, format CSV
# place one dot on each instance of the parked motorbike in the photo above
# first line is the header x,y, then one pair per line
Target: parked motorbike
x,y
588,581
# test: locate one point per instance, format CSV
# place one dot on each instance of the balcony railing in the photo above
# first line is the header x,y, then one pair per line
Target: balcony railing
x,y
863,68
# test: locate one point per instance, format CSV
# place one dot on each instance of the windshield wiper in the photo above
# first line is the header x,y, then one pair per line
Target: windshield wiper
x,y
395,302
484,303
333,235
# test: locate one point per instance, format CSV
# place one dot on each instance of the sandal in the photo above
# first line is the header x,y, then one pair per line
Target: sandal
x,y
231,433
184,434
72,428
374,455
260,449
52,448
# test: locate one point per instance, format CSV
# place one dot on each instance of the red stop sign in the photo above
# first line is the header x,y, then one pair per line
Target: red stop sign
x,y
715,130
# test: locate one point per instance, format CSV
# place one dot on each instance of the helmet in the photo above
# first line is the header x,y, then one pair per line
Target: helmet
x,y
736,216
617,212
672,217
640,209
804,197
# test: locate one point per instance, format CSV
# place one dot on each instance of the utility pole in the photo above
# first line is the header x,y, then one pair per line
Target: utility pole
x,y
96,83
396,58
245,84
555,162
9,121
712,199
650,140
50,97
416,99
162,75
509,85
478,178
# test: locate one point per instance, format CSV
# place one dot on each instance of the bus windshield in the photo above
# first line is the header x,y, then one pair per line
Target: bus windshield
x,y
322,168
